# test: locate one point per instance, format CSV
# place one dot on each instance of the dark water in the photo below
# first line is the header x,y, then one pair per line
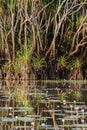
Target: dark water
x,y
43,105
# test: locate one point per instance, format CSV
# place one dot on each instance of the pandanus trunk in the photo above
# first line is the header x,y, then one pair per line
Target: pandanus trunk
x,y
33,24
13,38
75,74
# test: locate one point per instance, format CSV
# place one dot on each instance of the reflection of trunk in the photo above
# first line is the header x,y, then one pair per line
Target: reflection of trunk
x,y
53,116
75,74
75,86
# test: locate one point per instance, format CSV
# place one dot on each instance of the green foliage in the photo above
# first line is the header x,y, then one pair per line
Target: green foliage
x,y
13,4
42,34
47,21
76,63
38,62
63,61
30,40
26,55
17,66
79,19
22,58
1,2
6,66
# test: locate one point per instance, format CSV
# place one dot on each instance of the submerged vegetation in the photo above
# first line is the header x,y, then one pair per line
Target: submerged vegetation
x,y
43,39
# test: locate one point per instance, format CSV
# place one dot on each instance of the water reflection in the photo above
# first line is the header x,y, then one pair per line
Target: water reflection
x,y
43,105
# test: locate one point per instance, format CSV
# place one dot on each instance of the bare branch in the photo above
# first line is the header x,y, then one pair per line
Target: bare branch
x,y
45,7
80,27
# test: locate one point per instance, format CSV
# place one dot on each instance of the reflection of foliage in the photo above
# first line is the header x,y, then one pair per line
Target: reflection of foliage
x,y
36,99
21,98
71,95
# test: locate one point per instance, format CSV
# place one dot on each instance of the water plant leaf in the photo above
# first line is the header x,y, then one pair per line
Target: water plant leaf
x,y
25,119
6,119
